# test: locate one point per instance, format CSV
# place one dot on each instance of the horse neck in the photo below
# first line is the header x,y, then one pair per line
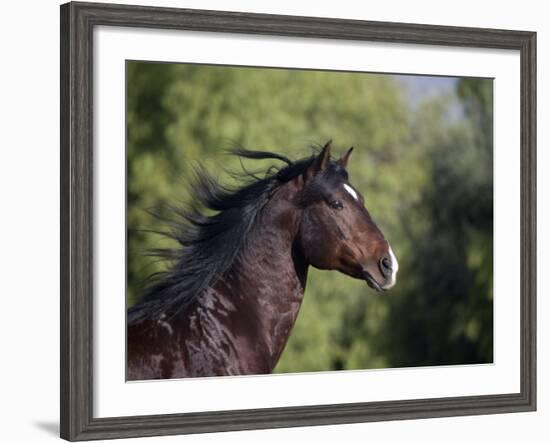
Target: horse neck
x,y
267,282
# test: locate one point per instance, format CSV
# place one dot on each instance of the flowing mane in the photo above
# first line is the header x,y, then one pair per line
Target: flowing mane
x,y
209,244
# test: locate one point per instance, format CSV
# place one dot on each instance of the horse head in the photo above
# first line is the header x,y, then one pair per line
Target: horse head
x,y
336,231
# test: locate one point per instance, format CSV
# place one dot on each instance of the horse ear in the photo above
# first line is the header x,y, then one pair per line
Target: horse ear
x,y
345,157
321,161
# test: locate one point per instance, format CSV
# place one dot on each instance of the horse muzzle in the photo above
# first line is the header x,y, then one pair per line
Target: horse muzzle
x,y
371,281
387,268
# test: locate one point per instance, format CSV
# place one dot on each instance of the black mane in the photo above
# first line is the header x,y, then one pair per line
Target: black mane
x,y
209,244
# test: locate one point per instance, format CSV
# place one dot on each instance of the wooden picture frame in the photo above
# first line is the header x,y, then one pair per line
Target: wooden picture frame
x,y
77,23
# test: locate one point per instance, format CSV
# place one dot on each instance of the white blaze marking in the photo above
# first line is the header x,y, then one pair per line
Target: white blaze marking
x,y
351,191
395,267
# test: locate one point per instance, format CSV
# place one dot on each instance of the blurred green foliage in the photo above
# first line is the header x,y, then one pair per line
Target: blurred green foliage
x,y
425,172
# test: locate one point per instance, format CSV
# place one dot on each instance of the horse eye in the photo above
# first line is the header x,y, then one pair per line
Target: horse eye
x,y
336,204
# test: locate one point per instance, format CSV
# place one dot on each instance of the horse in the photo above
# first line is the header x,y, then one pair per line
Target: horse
x,y
229,301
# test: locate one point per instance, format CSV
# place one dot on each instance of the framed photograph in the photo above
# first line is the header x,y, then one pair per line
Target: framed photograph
x,y
273,221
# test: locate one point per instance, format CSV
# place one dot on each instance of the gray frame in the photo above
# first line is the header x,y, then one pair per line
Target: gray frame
x,y
77,24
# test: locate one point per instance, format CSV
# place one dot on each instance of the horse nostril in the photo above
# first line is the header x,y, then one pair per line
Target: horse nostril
x,y
386,266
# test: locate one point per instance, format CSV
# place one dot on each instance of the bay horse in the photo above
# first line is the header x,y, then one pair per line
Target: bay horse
x,y
228,303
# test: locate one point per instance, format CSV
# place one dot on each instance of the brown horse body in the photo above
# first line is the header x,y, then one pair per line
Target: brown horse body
x,y
241,322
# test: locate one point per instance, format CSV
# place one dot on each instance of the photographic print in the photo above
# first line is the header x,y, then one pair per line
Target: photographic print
x,y
285,220
271,221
